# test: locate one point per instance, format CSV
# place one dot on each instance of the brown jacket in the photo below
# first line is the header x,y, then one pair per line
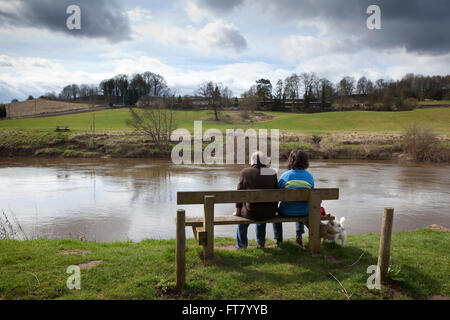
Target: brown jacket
x,y
251,178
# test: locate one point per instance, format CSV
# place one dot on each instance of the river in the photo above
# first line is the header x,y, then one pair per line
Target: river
x,y
134,199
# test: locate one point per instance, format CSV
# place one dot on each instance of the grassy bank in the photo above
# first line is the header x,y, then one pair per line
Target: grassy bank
x,y
319,123
145,270
345,135
47,143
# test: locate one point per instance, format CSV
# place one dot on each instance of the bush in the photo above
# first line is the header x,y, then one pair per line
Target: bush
x,y
388,102
410,103
421,144
2,111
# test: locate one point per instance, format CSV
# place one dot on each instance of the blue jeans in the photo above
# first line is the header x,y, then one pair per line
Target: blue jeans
x,y
242,240
278,230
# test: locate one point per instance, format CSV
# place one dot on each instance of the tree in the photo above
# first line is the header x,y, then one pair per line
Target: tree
x,y
156,119
213,92
291,85
362,86
249,99
2,111
121,83
309,81
346,86
325,92
30,98
264,89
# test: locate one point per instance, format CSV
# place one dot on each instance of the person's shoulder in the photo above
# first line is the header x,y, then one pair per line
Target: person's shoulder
x,y
309,175
286,174
267,171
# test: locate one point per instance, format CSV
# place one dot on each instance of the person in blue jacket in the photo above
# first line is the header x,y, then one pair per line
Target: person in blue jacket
x,y
295,178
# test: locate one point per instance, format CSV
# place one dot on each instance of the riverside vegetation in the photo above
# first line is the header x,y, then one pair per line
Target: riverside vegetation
x,y
332,135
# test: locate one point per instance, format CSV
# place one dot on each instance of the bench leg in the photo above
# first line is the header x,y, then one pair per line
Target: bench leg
x,y
181,249
314,222
208,224
194,230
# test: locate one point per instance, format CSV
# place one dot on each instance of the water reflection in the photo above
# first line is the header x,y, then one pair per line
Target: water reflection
x,y
107,200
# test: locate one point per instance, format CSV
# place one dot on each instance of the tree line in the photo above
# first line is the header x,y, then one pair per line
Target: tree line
x,y
308,87
301,89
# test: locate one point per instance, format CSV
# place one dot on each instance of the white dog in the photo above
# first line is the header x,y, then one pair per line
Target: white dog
x,y
334,231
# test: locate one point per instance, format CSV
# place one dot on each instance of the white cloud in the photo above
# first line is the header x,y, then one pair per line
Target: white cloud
x,y
214,36
194,13
299,47
139,14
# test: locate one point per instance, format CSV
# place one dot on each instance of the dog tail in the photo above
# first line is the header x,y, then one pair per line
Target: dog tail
x,y
341,222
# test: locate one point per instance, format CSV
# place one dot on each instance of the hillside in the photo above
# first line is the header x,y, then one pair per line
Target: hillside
x,y
41,106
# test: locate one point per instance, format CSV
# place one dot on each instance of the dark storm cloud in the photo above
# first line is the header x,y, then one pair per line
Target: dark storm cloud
x,y
417,25
99,18
230,38
219,6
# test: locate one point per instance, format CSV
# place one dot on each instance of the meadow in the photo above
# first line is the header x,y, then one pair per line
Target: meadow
x,y
437,119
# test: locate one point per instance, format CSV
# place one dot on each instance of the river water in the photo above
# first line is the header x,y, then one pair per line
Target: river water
x,y
134,199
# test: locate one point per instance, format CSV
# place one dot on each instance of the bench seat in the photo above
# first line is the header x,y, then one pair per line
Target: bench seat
x,y
230,220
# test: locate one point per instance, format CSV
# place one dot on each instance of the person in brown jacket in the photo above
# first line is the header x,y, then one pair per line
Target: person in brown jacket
x,y
251,178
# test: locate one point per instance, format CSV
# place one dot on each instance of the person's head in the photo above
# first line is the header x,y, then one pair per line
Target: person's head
x,y
258,159
298,160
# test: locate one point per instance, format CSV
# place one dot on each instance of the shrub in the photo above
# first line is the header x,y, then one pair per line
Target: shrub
x,y
423,145
388,102
410,103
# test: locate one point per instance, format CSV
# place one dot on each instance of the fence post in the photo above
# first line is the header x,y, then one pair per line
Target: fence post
x,y
208,224
181,249
384,251
314,221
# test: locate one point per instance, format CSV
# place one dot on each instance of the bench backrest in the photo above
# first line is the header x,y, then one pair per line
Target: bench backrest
x,y
255,196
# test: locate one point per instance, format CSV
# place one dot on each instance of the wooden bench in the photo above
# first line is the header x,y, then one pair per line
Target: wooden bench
x,y
62,129
203,227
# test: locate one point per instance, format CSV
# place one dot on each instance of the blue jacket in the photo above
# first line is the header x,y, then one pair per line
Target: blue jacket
x,y
295,179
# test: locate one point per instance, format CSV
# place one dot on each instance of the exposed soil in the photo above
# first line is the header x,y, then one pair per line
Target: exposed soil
x,y
90,264
82,252
437,227
438,297
241,117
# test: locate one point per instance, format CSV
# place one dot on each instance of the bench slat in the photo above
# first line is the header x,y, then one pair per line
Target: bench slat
x,y
229,220
254,196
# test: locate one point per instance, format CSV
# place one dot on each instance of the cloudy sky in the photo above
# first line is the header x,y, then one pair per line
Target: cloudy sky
x,y
230,41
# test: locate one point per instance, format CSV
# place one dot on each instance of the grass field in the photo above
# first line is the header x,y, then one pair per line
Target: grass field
x,y
39,106
435,102
356,121
146,270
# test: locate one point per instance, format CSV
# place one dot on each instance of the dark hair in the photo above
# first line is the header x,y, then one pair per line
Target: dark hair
x,y
298,160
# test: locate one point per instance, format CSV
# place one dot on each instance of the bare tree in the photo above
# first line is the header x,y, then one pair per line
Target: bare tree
x,y
309,82
213,93
346,86
156,119
362,86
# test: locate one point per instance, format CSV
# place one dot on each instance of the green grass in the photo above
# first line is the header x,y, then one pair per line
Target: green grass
x,y
435,102
361,121
145,270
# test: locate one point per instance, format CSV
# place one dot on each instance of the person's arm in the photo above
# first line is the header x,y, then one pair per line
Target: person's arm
x,y
281,183
240,186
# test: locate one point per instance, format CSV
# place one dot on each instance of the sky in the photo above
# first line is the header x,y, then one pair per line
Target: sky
x,y
234,42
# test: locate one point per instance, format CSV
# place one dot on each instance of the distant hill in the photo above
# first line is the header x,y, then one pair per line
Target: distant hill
x,y
42,106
